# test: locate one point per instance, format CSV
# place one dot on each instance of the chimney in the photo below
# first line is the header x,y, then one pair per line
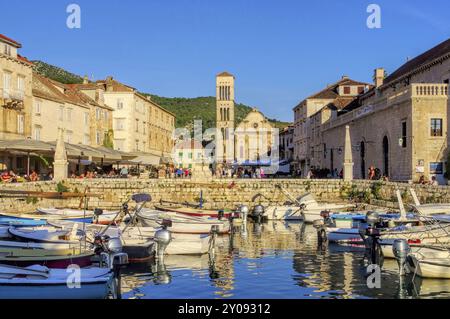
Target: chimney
x,y
108,84
85,80
345,77
378,77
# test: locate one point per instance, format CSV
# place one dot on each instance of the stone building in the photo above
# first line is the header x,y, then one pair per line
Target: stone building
x,y
249,141
15,91
401,125
315,110
140,125
100,115
286,144
187,153
60,106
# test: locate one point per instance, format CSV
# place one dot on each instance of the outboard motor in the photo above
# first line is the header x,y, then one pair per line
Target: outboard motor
x,y
322,238
163,237
401,251
258,213
326,217
111,256
160,274
97,213
372,218
243,211
114,245
372,236
212,241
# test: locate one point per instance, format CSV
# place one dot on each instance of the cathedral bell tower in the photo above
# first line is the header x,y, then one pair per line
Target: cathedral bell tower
x,y
225,118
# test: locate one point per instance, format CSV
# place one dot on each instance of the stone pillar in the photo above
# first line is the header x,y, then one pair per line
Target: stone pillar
x,y
200,171
60,165
348,157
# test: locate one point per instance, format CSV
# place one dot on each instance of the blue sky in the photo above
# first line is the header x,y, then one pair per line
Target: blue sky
x,y
280,51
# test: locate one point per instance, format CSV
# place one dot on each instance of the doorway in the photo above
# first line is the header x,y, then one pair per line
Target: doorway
x,y
385,156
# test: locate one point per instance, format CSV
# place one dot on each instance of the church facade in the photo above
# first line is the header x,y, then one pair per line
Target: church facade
x,y
252,140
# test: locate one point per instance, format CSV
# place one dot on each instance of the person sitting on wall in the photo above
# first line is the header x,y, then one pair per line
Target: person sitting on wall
x,y
422,180
13,177
371,173
34,177
434,181
6,178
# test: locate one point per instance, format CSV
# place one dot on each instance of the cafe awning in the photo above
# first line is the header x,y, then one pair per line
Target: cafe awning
x,y
145,159
27,146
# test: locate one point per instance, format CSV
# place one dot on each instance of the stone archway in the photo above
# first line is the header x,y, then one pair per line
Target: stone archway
x,y
363,159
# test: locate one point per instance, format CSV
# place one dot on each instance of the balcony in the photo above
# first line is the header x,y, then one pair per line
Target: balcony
x,y
12,99
429,90
436,91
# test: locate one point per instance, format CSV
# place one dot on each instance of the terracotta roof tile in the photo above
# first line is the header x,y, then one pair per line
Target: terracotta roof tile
x,y
225,74
429,56
11,41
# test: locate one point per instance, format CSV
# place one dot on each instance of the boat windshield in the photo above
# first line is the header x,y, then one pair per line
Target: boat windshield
x,y
308,197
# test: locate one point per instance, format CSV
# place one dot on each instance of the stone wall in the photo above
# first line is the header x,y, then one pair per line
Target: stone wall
x,y
219,193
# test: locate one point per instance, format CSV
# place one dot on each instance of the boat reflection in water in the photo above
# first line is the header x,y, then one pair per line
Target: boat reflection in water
x,y
273,260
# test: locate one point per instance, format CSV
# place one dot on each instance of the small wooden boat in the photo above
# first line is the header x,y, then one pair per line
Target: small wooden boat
x,y
83,259
43,246
182,224
47,235
37,282
78,215
37,252
193,211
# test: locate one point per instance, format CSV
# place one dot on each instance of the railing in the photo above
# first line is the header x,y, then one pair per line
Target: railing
x,y
12,94
419,90
432,90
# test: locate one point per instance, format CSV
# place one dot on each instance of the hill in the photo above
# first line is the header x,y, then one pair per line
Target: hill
x,y
186,110
56,73
189,109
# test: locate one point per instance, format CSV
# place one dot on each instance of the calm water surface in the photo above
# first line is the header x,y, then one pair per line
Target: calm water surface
x,y
273,260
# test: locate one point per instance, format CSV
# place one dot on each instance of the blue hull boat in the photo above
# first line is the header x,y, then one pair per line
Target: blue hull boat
x,y
6,220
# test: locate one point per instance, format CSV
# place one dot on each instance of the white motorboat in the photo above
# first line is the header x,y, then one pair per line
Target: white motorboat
x,y
428,209
180,244
55,213
38,282
283,213
430,250
304,208
182,224
425,235
430,264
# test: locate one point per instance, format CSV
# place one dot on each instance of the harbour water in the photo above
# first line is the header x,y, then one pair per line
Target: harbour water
x,y
273,260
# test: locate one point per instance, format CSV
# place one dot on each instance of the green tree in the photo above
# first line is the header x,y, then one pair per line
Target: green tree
x,y
108,141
